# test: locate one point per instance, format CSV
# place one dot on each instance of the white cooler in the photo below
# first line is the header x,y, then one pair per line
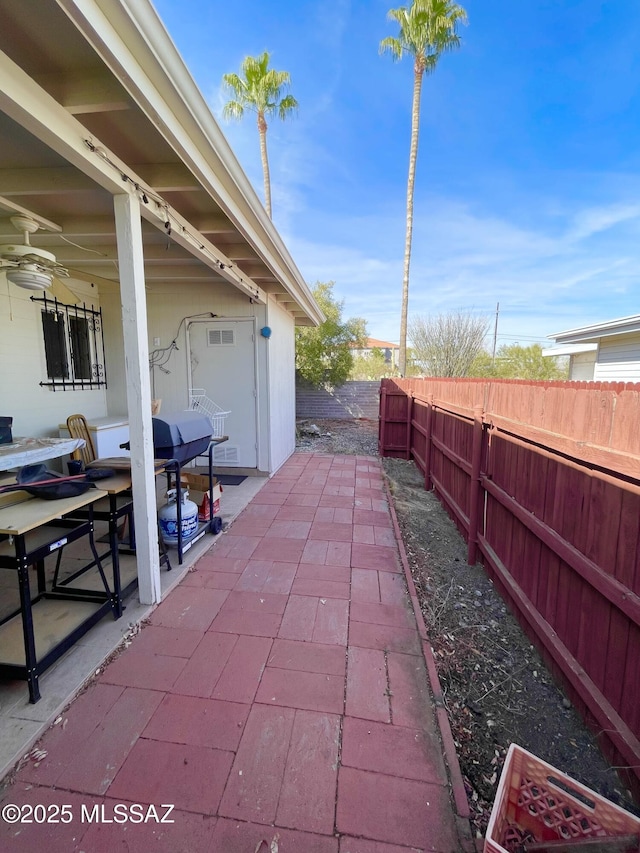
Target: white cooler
x,y
107,435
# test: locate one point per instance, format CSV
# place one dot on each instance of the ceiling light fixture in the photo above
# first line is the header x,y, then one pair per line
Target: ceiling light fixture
x,y
28,266
30,277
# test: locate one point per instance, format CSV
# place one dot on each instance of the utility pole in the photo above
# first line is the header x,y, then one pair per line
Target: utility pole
x,y
495,335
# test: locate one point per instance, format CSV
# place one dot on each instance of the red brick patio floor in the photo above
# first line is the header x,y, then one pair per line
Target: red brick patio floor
x,y
279,694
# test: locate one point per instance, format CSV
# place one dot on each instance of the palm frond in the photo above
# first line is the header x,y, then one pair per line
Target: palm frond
x,y
233,110
427,28
287,106
393,46
233,83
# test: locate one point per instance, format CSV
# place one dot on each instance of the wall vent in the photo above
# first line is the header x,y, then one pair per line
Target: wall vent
x,y
225,455
220,337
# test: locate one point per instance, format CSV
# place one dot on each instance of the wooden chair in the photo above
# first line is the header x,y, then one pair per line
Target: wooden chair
x,y
79,428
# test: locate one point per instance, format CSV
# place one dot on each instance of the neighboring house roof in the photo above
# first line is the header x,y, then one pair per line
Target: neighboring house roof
x,y
621,326
374,343
95,101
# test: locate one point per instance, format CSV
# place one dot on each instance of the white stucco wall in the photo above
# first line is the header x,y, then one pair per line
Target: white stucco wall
x,y
116,394
275,359
282,391
168,309
36,410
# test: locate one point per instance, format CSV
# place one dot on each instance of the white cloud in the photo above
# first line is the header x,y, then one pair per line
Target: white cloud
x,y
568,271
597,219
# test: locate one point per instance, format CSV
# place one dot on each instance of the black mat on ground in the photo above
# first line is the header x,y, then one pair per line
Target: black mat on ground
x,y
230,479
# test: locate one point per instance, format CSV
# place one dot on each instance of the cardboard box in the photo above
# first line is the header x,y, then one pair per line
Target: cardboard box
x,y
196,482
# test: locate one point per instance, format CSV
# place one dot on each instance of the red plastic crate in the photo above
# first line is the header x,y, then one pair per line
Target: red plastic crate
x,y
536,802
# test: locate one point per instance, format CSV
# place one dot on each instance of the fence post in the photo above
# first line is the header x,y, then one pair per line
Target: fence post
x,y
474,485
382,424
409,421
428,485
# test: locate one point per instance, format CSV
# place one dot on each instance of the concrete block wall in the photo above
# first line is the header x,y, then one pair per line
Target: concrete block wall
x,y
351,400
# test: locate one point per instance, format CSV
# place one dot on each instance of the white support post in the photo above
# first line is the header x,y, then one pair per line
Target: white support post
x,y
136,351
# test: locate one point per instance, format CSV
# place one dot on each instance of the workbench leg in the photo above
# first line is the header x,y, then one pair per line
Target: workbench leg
x,y
116,595
42,582
114,544
27,621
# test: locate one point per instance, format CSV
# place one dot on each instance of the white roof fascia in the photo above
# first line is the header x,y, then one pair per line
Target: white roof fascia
x,y
569,349
132,41
622,326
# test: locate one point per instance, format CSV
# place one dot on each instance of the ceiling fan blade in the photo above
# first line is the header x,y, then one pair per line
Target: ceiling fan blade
x,y
62,293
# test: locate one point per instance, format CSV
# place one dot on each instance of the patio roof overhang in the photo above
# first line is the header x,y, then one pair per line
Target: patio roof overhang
x,y
95,101
610,328
569,349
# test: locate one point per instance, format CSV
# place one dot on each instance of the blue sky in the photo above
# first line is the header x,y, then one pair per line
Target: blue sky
x,y
528,177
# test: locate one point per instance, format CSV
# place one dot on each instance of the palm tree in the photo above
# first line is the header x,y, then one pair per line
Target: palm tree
x,y
428,28
259,89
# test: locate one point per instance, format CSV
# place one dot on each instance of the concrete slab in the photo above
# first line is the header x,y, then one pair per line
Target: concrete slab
x,y
253,789
367,685
395,810
199,722
308,792
192,778
231,836
312,691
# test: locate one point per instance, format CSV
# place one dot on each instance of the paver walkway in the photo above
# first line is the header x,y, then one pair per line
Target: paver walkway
x,y
279,694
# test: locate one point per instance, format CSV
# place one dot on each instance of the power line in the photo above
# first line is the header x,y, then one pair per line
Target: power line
x,y
524,338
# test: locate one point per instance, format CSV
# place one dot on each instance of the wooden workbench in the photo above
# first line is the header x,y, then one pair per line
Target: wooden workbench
x,y
45,627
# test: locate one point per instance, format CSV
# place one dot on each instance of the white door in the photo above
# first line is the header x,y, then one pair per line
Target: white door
x,y
223,362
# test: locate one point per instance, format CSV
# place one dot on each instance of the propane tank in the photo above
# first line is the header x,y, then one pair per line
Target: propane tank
x,y
168,517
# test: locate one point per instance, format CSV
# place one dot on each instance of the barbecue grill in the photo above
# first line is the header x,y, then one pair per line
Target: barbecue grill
x,y
180,437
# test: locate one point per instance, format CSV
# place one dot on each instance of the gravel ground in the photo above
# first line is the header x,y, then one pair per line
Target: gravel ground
x,y
354,437
496,686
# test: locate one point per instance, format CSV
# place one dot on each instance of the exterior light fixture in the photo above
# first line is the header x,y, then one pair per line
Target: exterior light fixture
x,y
29,277
26,265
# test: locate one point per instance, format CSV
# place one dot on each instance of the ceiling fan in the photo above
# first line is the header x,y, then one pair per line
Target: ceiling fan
x,y
26,265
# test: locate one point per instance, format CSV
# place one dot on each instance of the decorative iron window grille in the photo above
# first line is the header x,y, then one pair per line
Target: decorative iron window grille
x,y
73,345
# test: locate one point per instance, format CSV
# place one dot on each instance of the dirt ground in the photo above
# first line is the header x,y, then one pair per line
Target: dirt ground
x,y
496,687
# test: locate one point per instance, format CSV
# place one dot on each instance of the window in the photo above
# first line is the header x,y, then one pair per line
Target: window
x,y
55,345
73,345
80,347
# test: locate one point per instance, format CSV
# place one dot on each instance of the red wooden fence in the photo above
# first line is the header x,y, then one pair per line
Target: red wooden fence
x,y
543,480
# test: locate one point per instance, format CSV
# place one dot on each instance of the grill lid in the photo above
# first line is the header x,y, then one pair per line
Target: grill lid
x,y
174,429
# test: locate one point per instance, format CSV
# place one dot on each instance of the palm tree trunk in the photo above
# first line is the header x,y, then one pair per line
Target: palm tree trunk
x,y
413,156
262,130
